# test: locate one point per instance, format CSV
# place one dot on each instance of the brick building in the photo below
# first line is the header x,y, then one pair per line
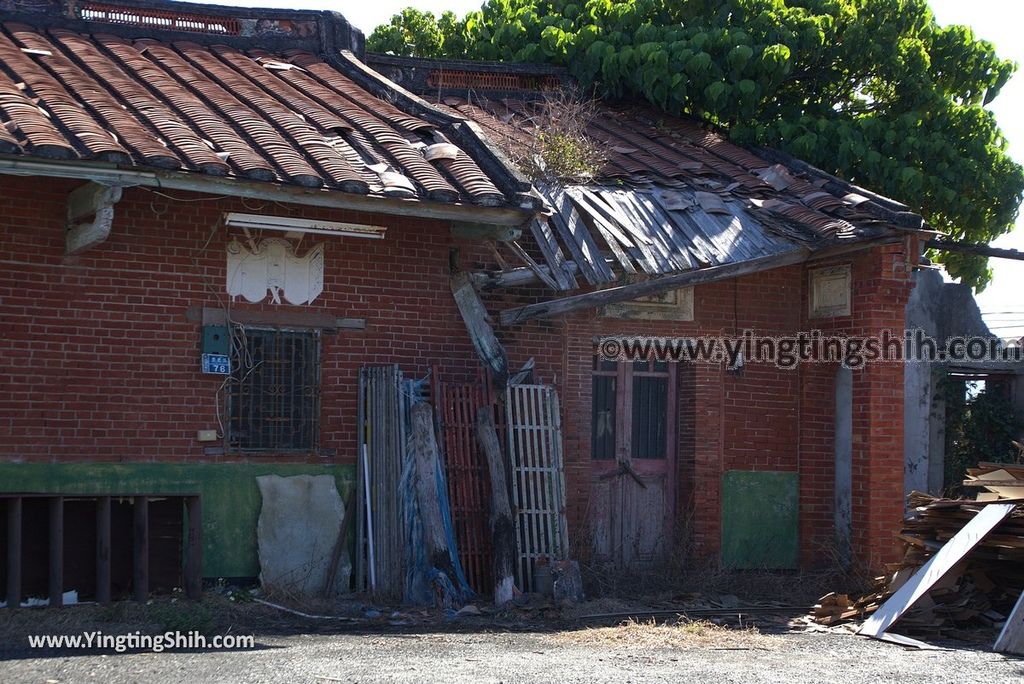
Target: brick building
x,y
248,168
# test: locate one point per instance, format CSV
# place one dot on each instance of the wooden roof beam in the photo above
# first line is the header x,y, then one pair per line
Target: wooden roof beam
x,y
625,293
974,248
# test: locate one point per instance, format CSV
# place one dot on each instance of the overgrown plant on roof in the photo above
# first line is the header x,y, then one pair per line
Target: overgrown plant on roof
x,y
559,148
872,90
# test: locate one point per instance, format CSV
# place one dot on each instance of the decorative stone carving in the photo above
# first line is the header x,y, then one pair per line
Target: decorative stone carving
x,y
274,265
673,305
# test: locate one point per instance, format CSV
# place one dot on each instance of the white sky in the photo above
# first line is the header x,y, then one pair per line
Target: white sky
x,y
999,21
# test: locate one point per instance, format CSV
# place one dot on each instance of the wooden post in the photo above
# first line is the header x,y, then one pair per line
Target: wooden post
x,y
194,553
474,315
140,548
56,542
14,552
502,525
103,549
427,456
347,520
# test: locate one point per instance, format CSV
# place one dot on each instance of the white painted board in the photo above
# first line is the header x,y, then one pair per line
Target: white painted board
x,y
938,565
1011,638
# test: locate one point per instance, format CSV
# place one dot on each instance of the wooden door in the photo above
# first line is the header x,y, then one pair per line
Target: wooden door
x,y
633,461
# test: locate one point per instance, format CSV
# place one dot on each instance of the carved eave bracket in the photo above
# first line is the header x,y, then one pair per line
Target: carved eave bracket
x,y
90,201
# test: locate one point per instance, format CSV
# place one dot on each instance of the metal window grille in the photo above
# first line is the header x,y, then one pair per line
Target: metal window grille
x,y
274,393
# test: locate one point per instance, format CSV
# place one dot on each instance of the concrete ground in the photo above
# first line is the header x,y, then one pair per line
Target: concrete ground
x,y
602,655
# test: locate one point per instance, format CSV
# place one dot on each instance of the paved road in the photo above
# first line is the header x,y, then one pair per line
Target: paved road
x,y
517,657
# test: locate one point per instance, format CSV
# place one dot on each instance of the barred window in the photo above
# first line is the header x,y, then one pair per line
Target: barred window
x,y
274,393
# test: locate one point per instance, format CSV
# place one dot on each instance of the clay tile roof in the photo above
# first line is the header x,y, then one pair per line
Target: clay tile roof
x,y
176,103
672,193
644,147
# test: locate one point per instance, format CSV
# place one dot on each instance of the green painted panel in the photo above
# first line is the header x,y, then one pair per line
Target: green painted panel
x,y
231,498
760,520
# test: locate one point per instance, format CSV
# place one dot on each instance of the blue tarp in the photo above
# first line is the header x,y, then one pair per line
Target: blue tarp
x,y
425,584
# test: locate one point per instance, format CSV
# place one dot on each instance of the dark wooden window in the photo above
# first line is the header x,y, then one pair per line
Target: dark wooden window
x,y
631,409
650,409
274,391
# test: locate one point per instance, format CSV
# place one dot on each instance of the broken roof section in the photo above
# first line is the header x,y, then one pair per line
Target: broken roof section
x,y
672,194
219,93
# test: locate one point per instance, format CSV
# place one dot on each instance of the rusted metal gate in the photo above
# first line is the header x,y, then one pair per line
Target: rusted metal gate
x,y
534,438
469,487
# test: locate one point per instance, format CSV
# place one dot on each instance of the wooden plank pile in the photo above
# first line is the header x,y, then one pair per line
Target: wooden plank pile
x,y
996,481
980,590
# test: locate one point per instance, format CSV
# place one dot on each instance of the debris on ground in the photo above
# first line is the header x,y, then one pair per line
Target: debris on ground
x,y
978,591
999,481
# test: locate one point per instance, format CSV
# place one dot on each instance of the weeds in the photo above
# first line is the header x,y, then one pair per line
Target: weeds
x,y
558,148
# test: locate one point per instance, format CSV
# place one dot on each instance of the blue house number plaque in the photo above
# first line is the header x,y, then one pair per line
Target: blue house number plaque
x,y
217,364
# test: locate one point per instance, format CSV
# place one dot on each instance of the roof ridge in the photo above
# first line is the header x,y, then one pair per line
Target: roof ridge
x,y
319,30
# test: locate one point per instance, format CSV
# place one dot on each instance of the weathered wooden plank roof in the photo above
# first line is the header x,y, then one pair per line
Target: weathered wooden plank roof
x,y
655,231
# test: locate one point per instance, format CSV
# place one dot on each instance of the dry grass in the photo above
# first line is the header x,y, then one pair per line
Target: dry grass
x,y
686,572
650,634
558,147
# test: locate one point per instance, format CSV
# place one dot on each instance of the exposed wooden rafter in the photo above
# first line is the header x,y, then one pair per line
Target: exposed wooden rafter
x,y
973,248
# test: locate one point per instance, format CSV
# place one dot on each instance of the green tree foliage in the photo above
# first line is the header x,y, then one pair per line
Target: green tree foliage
x,y
872,90
980,426
413,32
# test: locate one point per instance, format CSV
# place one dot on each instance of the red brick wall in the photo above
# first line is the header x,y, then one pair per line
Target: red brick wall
x,y
763,418
98,361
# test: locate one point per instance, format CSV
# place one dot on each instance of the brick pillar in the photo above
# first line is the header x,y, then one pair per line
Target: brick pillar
x,y
881,287
707,459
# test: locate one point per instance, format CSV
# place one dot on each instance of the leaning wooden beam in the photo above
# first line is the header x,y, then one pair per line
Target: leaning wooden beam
x,y
474,315
952,552
533,265
97,201
973,248
347,521
503,530
624,293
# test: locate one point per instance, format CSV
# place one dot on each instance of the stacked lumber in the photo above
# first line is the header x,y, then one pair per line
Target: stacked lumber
x,y
996,481
834,608
979,591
